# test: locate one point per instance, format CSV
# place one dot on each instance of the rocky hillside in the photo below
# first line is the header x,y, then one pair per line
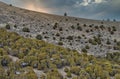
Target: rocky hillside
x,y
83,35
26,58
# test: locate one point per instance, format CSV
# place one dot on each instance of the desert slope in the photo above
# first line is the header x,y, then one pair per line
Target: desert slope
x,y
85,35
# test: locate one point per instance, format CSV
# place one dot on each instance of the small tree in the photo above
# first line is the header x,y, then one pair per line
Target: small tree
x,y
10,4
114,20
65,14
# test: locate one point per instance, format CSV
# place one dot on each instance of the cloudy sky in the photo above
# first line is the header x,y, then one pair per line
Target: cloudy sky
x,y
92,9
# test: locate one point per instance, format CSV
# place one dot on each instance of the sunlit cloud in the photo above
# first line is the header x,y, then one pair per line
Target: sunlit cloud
x,y
31,6
34,5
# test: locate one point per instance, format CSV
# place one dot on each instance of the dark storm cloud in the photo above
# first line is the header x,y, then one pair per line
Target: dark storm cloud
x,y
94,9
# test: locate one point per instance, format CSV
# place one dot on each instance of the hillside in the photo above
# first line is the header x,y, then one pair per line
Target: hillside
x,y
36,45
84,35
25,58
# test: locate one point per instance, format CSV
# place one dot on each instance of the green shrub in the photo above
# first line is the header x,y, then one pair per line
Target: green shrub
x,y
84,25
66,69
60,43
84,50
87,47
92,42
60,29
79,37
15,26
7,26
72,27
25,29
75,70
39,37
108,42
57,34
87,31
55,26
118,43
79,28
114,28
69,74
70,37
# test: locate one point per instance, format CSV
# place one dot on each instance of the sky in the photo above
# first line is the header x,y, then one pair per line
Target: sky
x,y
91,9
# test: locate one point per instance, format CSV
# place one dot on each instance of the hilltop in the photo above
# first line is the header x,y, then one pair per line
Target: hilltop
x,y
84,35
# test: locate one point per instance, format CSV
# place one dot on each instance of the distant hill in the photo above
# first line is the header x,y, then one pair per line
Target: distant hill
x,y
84,35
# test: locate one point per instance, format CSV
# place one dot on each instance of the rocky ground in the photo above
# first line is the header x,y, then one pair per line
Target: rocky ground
x,y
84,35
